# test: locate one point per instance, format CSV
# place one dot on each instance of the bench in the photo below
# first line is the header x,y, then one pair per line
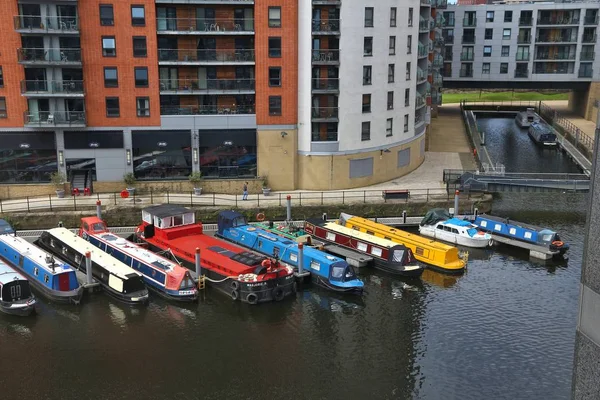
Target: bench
x,y
395,194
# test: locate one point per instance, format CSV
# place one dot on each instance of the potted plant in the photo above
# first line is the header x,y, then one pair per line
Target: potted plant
x,y
58,179
265,188
129,180
196,178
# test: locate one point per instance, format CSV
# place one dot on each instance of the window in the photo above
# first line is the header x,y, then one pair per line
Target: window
x,y
409,44
138,15
366,103
139,46
406,97
141,76
393,12
392,45
523,53
111,77
107,17
274,76
390,100
366,75
487,51
505,51
410,16
112,107
275,46
505,34
109,47
485,68
143,106
3,113
507,16
391,73
489,16
274,105
408,71
389,127
504,68
406,122
1,78
365,133
368,17
489,33
368,46
274,17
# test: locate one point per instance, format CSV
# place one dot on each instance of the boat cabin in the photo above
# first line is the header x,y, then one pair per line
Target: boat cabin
x,y
542,133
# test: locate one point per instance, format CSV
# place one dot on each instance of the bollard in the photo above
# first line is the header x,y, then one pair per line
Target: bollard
x,y
289,208
60,224
456,202
324,217
476,212
404,216
483,138
198,266
300,258
88,267
99,209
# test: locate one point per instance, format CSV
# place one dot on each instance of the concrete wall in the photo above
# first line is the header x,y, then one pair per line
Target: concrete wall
x,y
222,186
588,111
277,157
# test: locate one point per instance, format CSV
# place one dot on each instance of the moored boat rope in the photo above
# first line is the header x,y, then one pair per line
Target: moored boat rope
x,y
222,280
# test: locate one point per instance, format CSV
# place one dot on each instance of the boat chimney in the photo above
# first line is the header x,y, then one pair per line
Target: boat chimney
x,y
88,267
456,202
404,217
289,208
99,209
300,258
324,217
198,266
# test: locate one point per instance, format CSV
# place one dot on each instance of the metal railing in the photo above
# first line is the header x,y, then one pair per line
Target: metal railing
x,y
421,75
326,56
324,112
556,39
587,55
423,25
543,68
51,87
422,50
53,118
555,56
466,56
43,55
521,73
326,25
466,73
558,21
194,85
218,25
208,110
522,57
525,21
469,22
46,24
419,101
325,84
578,138
468,39
590,20
523,39
588,39
214,55
585,72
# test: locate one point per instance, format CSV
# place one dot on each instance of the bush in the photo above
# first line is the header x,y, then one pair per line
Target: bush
x,y
58,179
129,179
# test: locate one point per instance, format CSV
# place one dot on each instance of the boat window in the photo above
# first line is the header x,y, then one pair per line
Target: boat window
x,y
99,227
388,238
35,271
370,233
483,223
293,257
337,272
361,246
419,251
447,229
330,236
454,230
498,227
46,278
512,231
527,235
376,251
356,228
398,255
315,265
440,227
187,282
133,284
350,274
239,221
188,218
178,220
547,238
86,226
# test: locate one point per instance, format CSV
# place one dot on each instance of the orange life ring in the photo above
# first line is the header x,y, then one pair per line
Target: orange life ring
x,y
558,243
260,217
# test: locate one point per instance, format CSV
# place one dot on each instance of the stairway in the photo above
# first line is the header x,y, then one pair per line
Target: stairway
x,y
79,180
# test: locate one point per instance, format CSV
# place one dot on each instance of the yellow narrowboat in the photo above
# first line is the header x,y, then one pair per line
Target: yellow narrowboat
x,y
438,256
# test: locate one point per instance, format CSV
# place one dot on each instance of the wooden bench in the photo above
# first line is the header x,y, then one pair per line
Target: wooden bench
x,y
395,194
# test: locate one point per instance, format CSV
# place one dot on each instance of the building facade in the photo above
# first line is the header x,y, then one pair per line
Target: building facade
x,y
312,95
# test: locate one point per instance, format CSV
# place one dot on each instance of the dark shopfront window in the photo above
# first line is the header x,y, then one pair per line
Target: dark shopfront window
x,y
162,155
228,153
27,157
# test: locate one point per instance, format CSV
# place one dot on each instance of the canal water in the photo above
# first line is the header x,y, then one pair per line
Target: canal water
x,y
504,330
510,145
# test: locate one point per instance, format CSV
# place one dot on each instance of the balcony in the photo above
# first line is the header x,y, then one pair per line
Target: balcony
x,y
52,88
421,76
466,73
448,23
419,101
438,62
469,22
205,57
426,2
556,39
556,56
446,73
208,110
441,4
423,26
437,79
326,27
448,39
326,57
422,51
522,57
320,2
524,39
324,114
467,56
207,86
585,72
587,56
526,21
521,73
39,24
54,119
196,26
215,2
325,85
468,39
553,68
590,20
558,21
41,56
588,39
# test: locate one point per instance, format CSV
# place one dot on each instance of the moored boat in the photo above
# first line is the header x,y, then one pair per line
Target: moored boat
x,y
387,255
239,273
438,224
15,293
524,119
165,277
542,134
326,270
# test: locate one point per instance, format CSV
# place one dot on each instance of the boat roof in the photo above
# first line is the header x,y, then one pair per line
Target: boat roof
x,y
98,256
514,223
8,274
35,254
365,237
166,210
457,222
230,214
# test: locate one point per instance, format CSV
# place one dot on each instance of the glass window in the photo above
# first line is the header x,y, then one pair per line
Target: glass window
x,y
505,52
489,34
390,100
1,78
391,73
408,71
109,46
275,46
505,34
138,15
337,273
368,46
3,113
507,16
361,246
368,17
407,97
485,69
274,17
377,252
106,15
409,44
392,45
406,116
139,46
393,12
398,256
366,103
237,158
143,106
274,76
274,105
141,76
367,75
365,131
389,128
504,68
489,16
487,51
162,155
410,16
112,107
111,77
330,236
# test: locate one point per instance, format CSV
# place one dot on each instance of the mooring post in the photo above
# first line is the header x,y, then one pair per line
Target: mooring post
x,y
289,208
324,217
404,216
456,202
99,209
88,267
476,212
483,138
300,258
198,266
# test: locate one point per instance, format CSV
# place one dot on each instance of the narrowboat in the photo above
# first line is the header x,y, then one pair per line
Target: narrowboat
x,y
56,281
534,235
438,256
117,279
164,277
387,256
542,134
286,230
524,119
328,271
241,274
438,225
15,293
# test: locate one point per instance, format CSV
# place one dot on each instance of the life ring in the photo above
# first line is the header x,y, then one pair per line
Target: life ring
x,y
235,295
235,285
252,298
260,217
558,243
278,293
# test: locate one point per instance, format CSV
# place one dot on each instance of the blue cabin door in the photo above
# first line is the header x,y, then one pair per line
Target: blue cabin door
x,y
63,282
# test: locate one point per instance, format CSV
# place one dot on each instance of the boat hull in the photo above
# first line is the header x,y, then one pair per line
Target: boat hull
x,y
319,280
398,270
57,296
456,239
21,309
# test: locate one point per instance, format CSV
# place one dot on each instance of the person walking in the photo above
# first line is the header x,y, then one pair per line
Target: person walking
x,y
245,192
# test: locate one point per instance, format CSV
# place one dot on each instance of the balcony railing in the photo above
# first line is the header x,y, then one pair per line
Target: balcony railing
x,y
212,26
442,4
556,39
590,20
438,61
544,68
325,84
585,72
446,73
422,51
324,2
37,23
423,25
51,87
448,23
469,22
326,26
208,56
207,110
419,101
466,56
587,56
421,76
521,73
525,21
558,21
426,2
54,118
588,39
555,56
466,73
448,39
523,39
468,39
522,57
324,112
189,86
42,56
326,56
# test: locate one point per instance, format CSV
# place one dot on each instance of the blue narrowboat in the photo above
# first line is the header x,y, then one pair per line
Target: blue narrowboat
x,y
328,271
522,232
53,279
15,293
